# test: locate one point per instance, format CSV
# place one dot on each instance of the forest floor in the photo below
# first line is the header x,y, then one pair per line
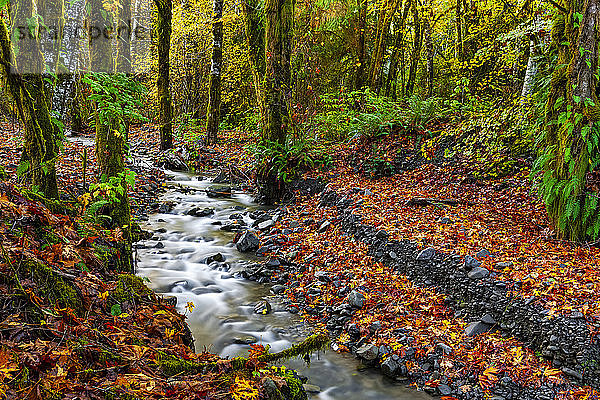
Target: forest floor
x,y
500,223
418,329
73,328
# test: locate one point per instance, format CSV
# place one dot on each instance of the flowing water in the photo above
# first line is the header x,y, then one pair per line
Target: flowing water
x,y
223,320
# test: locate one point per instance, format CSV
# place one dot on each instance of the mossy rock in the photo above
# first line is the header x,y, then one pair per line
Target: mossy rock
x,y
53,286
130,288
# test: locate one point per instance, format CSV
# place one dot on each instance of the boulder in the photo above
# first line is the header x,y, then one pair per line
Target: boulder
x,y
426,254
263,307
478,273
471,262
475,328
247,242
368,352
215,257
356,299
392,366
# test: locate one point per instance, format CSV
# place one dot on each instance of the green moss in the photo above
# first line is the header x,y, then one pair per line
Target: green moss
x,y
3,174
171,365
53,286
130,288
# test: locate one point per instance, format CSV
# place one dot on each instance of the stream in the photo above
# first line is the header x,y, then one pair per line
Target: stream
x,y
223,319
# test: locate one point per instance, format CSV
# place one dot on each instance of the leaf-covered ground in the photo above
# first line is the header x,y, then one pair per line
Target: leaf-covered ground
x,y
503,216
73,328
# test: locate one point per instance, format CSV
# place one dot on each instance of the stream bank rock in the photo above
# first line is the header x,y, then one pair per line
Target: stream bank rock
x,y
248,242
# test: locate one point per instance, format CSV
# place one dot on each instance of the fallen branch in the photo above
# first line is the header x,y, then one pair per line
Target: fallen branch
x,y
172,365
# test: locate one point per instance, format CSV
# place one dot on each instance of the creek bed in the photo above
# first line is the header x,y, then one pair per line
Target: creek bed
x,y
223,319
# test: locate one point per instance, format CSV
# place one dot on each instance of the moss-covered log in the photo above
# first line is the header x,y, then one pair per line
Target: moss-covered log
x,y
174,366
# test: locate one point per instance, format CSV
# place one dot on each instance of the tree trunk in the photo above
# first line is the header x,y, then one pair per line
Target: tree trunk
x,y
213,113
255,40
531,71
162,27
398,43
124,32
430,55
279,18
385,19
459,38
359,78
110,143
26,87
572,116
416,52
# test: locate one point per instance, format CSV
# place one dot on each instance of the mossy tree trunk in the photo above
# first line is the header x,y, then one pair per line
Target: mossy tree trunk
x,y
279,18
26,87
398,49
361,54
162,34
386,16
255,40
124,32
572,118
277,82
430,55
416,52
110,141
459,49
213,113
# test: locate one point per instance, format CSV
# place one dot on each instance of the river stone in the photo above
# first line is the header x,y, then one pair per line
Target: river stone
x,y
324,226
391,366
444,390
308,388
219,193
426,254
488,319
444,348
475,328
248,242
368,352
478,273
266,224
215,257
504,264
471,262
356,299
246,339
483,253
294,224
263,307
276,289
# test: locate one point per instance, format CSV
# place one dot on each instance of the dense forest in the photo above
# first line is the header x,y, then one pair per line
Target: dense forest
x,y
198,198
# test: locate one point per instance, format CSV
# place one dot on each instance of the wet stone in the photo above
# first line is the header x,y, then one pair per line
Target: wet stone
x,y
368,352
471,262
476,328
356,299
426,254
277,289
478,272
263,307
246,339
215,257
248,242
